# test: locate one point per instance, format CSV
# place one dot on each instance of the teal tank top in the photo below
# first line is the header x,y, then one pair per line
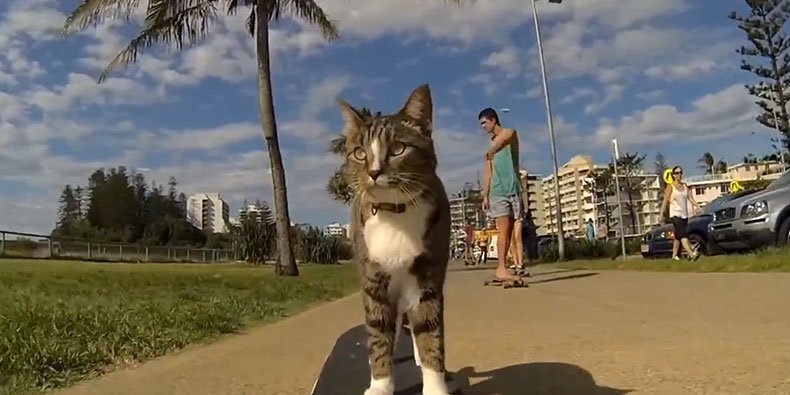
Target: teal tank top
x,y
505,180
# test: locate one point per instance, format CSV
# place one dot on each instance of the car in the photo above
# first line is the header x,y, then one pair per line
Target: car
x,y
755,221
657,243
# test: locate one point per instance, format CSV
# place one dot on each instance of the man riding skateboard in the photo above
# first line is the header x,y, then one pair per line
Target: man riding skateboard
x,y
502,186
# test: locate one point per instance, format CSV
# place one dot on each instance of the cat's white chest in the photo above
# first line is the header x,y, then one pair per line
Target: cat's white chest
x,y
393,240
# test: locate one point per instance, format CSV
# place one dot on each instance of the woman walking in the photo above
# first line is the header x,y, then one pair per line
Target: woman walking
x,y
678,197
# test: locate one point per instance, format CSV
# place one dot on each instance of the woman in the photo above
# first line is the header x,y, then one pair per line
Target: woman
x,y
678,197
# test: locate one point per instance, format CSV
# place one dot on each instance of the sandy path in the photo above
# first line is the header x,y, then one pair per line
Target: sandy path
x,y
603,334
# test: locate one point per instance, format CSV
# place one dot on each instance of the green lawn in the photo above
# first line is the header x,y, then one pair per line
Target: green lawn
x,y
772,260
61,322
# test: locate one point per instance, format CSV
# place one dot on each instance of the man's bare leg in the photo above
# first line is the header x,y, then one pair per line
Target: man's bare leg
x,y
504,227
518,248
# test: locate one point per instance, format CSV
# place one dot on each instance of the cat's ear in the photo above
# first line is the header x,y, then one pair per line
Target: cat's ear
x,y
352,118
419,107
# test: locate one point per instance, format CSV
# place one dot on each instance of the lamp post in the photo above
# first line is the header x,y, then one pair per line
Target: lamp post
x,y
616,155
560,235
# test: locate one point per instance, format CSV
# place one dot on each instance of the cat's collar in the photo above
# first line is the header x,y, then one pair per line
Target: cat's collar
x,y
396,208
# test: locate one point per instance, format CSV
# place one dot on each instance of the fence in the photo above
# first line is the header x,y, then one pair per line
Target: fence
x,y
30,245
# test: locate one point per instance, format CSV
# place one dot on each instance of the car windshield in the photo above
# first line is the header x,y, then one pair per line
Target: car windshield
x,y
780,182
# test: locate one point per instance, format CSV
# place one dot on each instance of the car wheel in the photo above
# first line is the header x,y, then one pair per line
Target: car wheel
x,y
697,244
783,238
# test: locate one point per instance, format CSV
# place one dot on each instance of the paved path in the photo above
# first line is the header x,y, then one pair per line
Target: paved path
x,y
602,334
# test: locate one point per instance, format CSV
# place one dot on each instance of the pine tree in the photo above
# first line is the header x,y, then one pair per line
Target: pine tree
x,y
68,212
768,58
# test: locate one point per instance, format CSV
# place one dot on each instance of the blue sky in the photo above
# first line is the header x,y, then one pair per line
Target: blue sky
x,y
657,75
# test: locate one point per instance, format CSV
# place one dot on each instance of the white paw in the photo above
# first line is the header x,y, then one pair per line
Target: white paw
x,y
378,391
433,383
435,391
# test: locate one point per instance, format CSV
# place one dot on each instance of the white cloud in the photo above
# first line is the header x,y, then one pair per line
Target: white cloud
x,y
204,139
653,95
728,112
612,93
577,94
506,60
322,95
81,89
687,70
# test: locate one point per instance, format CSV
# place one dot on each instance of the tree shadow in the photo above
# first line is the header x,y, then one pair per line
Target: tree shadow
x,y
537,378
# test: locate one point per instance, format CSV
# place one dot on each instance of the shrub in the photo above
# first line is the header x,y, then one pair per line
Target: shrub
x,y
584,249
313,246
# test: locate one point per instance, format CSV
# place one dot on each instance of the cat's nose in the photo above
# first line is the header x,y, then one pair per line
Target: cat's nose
x,y
374,174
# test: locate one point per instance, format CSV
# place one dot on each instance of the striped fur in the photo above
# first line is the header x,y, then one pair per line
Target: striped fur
x,y
402,257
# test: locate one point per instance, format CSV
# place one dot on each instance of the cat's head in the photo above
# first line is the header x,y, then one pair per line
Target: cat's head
x,y
391,158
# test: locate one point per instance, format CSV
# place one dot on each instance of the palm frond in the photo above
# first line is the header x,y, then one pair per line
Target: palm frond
x,y
312,13
168,24
94,12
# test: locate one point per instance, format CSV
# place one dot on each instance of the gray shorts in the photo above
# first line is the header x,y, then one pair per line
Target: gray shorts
x,y
510,206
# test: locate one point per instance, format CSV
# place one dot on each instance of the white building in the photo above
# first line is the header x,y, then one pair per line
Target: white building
x,y
208,212
336,229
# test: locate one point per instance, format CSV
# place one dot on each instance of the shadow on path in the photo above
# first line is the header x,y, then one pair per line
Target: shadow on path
x,y
538,378
560,278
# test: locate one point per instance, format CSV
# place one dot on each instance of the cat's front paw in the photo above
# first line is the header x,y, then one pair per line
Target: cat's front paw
x,y
378,391
433,383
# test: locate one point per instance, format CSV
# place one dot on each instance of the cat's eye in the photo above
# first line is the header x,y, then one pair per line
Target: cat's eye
x,y
397,149
359,154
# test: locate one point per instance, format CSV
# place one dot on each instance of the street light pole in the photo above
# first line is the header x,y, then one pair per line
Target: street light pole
x,y
616,156
560,235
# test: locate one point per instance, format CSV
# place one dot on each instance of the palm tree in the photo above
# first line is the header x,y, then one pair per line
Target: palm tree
x,y
603,185
631,166
179,22
707,163
721,166
337,186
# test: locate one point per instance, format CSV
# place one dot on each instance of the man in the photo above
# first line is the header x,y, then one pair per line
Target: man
x,y
502,187
470,243
590,230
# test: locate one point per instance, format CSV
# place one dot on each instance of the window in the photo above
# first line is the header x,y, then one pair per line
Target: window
x,y
724,189
699,191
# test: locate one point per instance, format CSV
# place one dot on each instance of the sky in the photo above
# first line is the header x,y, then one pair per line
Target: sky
x,y
656,75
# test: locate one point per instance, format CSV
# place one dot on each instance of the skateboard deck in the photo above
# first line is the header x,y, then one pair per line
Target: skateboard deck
x,y
346,369
519,283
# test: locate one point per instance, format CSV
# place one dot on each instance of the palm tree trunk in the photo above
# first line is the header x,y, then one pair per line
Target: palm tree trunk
x,y
286,263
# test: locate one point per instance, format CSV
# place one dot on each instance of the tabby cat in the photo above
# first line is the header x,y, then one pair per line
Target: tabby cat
x,y
400,228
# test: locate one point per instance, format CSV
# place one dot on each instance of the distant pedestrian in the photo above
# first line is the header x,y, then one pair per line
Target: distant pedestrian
x,y
678,197
590,230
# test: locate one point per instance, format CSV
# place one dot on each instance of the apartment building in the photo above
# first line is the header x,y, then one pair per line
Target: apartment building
x,y
579,202
646,203
466,205
576,199
336,229
531,184
208,212
706,188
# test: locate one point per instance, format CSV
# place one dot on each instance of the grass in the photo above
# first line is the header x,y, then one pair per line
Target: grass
x,y
770,260
61,321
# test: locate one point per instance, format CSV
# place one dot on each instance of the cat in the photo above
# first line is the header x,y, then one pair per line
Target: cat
x,y
400,230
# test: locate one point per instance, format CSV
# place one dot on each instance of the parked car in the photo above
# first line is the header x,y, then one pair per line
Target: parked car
x,y
657,243
756,220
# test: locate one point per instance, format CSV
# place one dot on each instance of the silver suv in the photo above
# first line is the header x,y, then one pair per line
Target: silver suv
x,y
753,221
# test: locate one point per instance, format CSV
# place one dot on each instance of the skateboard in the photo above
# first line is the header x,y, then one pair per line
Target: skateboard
x,y
519,283
346,369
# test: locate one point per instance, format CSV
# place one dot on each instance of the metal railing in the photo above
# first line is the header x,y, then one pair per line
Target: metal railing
x,y
31,245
